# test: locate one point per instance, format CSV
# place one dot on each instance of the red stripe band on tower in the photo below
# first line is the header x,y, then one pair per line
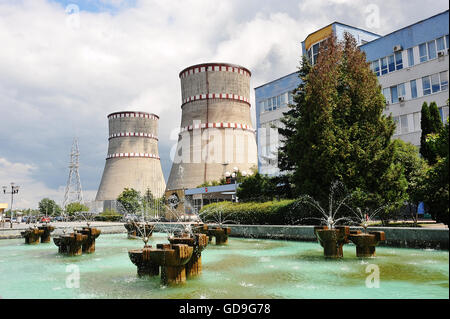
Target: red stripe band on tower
x,y
133,134
222,96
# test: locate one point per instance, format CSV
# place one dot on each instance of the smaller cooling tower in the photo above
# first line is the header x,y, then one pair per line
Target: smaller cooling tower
x,y
132,160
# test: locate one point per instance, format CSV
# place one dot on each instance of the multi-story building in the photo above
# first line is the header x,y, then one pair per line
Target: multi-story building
x,y
411,64
412,68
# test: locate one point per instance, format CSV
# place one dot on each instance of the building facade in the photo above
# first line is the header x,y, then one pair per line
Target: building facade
x,y
412,68
411,64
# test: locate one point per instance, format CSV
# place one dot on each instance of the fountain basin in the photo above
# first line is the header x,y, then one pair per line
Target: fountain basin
x,y
70,244
45,237
199,243
332,240
365,242
141,258
32,235
88,245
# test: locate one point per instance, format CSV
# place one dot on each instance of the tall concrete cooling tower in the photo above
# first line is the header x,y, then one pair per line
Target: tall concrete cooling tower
x,y
216,134
132,160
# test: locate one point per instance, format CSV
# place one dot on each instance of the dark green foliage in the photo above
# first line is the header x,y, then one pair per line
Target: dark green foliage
x,y
108,215
430,123
337,131
130,200
284,212
436,195
73,208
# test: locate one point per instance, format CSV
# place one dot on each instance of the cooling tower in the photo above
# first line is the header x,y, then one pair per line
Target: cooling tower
x,y
216,134
132,160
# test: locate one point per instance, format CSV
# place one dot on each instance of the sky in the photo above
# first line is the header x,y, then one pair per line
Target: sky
x,y
65,65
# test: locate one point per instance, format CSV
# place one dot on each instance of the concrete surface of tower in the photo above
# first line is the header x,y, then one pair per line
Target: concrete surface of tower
x,y
133,159
216,134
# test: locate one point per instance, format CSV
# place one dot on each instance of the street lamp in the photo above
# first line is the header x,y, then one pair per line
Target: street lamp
x,y
14,190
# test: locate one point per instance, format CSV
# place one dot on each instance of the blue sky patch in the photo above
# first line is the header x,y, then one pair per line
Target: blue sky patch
x,y
98,5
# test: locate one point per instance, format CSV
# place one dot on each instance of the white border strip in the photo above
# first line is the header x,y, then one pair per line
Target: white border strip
x,y
144,155
214,68
133,115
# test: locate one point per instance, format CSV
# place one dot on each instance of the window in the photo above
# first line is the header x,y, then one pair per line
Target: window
x,y
440,44
423,52
279,101
431,50
417,117
444,80
384,66
426,85
394,94
274,103
315,53
391,63
435,84
269,105
397,125
398,61
290,97
404,123
376,67
410,57
446,40
413,89
401,90
387,94
283,99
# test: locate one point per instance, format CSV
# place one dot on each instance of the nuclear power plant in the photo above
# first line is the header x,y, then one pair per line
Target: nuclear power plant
x,y
216,134
132,160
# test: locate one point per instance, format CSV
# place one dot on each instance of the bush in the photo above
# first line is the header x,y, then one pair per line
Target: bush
x,y
109,215
284,212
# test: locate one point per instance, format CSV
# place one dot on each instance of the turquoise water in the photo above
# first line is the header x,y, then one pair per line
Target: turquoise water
x,y
245,268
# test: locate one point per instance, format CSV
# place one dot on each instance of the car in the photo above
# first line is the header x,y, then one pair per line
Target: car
x,y
58,218
45,220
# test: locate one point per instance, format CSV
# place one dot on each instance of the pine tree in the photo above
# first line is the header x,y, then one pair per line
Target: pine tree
x,y
337,130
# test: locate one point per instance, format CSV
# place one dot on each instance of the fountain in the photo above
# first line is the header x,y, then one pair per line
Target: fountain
x,y
32,235
332,240
80,241
365,242
220,232
70,244
45,237
135,230
172,258
330,237
92,233
199,242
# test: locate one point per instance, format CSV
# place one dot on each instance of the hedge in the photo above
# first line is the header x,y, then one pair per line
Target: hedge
x,y
283,212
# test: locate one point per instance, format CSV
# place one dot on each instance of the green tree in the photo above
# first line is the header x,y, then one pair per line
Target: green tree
x,y
48,207
430,123
130,200
436,193
415,171
76,207
257,188
338,130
